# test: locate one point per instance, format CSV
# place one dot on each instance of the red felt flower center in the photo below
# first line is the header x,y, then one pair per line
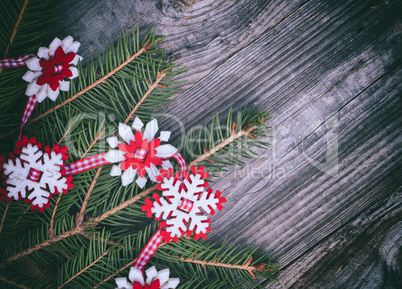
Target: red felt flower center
x,y
56,68
140,154
154,285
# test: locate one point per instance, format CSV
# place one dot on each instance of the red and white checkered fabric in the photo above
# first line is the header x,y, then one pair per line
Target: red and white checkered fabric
x,y
183,165
186,205
29,108
34,175
149,250
15,62
85,164
140,154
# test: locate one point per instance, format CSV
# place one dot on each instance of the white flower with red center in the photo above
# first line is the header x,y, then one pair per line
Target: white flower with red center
x,y
140,154
184,205
155,280
53,65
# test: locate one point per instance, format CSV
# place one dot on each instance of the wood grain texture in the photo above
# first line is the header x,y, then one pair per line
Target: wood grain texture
x,y
326,197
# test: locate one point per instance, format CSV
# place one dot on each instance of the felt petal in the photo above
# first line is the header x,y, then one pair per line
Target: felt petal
x,y
114,156
29,76
33,63
126,133
171,284
64,85
121,283
151,274
150,130
32,88
115,171
137,123
163,276
167,165
76,59
128,176
66,43
54,45
135,275
113,141
141,182
73,47
152,172
74,72
165,135
52,94
165,151
43,52
42,93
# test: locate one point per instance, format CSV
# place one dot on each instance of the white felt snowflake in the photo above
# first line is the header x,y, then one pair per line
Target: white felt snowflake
x,y
36,174
140,153
51,67
184,205
155,280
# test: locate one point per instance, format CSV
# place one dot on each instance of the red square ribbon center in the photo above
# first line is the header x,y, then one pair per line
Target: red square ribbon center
x,y
141,154
34,175
186,205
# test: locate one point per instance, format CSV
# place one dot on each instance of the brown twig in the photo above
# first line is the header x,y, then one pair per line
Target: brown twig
x,y
49,241
67,131
4,217
15,30
2,278
92,144
83,270
117,272
19,219
246,266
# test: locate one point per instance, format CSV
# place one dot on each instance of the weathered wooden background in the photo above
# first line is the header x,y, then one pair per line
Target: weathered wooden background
x,y
326,197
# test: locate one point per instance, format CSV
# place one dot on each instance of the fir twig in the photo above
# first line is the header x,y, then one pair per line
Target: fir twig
x,y
117,272
4,217
15,30
96,83
75,231
246,267
19,219
83,270
12,283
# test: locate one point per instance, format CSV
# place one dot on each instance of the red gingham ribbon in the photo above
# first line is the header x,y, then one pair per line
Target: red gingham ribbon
x,y
186,205
183,165
85,164
15,62
29,108
34,175
149,250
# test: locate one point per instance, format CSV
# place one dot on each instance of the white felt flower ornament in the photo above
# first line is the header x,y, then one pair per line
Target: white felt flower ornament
x,y
140,153
155,280
53,65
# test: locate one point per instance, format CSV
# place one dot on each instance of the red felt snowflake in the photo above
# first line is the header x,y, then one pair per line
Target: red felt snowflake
x,y
184,205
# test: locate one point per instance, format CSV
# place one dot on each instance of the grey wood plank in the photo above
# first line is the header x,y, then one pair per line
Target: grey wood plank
x,y
325,69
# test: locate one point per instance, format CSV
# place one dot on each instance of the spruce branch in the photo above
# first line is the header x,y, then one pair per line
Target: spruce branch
x,y
117,272
2,278
15,30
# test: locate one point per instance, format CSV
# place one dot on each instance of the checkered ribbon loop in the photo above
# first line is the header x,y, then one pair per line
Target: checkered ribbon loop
x,y
85,164
29,108
34,175
186,205
149,250
15,62
183,165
